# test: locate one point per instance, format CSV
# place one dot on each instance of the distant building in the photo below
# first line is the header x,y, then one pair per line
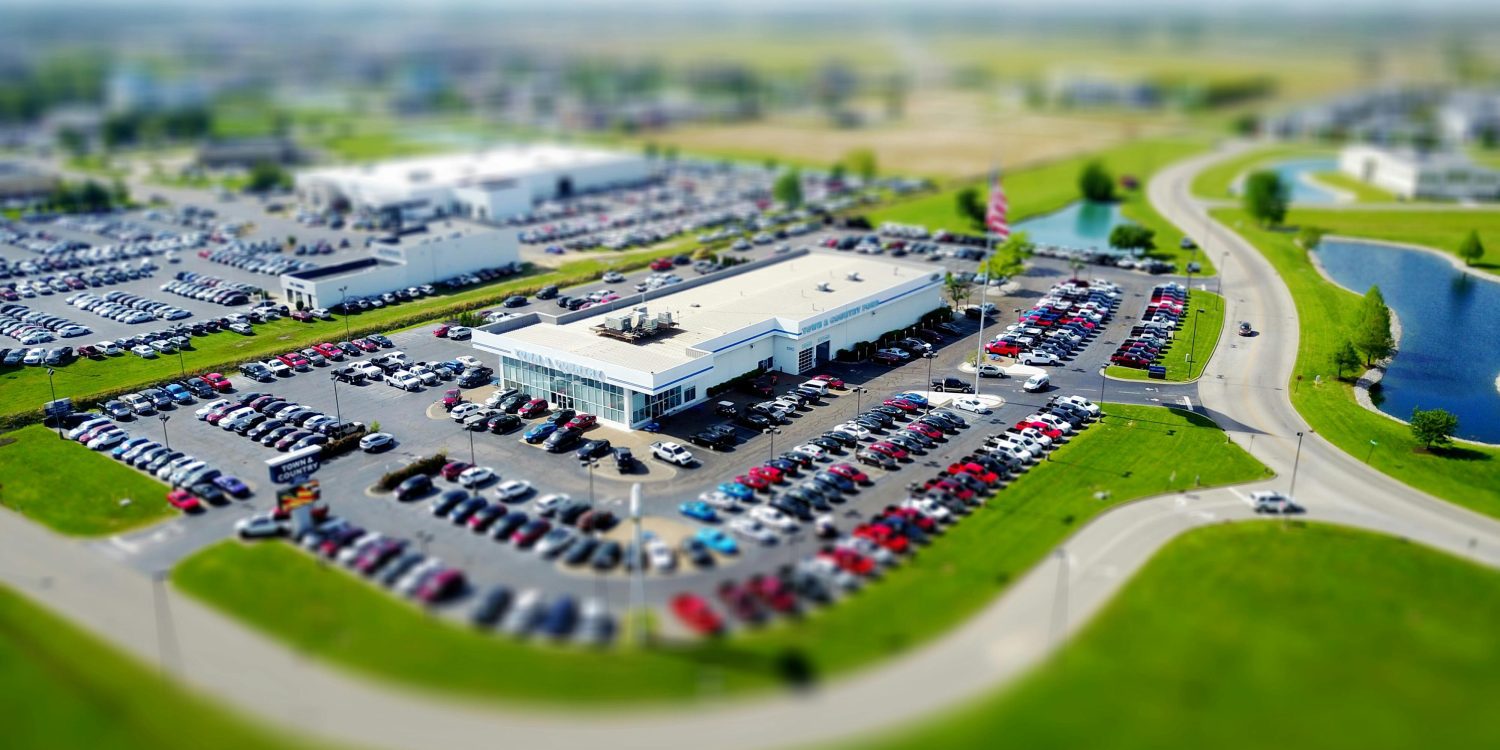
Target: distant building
x,y
247,152
137,89
491,185
415,260
1409,174
1468,116
20,183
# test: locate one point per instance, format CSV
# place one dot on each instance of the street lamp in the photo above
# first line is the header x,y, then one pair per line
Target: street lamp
x,y
344,303
181,366
1295,461
57,420
929,356
1102,380
337,412
859,392
772,432
165,441
590,464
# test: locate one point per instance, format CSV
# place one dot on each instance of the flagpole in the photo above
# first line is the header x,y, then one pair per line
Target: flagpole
x,y
989,247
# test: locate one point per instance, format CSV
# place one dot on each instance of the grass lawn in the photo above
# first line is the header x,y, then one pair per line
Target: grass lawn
x,y
1262,635
1041,189
1216,181
72,489
1438,229
374,145
1137,208
1362,191
330,613
67,689
1209,323
1467,475
27,389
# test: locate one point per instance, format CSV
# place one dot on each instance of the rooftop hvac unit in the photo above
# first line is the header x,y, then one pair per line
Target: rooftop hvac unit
x,y
854,275
617,323
824,287
664,317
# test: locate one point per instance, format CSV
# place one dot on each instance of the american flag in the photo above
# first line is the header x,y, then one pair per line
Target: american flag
x,y
994,216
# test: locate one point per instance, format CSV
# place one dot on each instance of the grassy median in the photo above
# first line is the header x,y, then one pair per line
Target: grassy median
x,y
1263,635
1218,180
331,613
1209,323
1440,229
65,689
72,489
1466,474
1362,191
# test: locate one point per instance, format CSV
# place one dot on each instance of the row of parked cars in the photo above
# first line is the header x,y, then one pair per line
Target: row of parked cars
x,y
206,288
82,278
275,422
1150,338
123,307
149,401
1061,323
31,327
256,256
318,355
195,483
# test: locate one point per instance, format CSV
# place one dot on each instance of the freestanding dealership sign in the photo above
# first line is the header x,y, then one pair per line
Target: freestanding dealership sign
x,y
295,468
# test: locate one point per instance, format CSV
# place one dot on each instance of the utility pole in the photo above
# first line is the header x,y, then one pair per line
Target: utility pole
x,y
337,412
1295,461
929,356
167,443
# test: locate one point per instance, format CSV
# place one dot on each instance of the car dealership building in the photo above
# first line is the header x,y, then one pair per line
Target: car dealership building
x,y
636,363
413,260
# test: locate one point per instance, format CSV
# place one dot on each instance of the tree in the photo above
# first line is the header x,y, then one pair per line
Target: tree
x,y
970,207
1471,249
1345,357
1308,237
118,193
1433,426
861,161
93,196
1095,183
73,141
265,176
1372,331
1132,237
1266,197
958,289
788,189
1009,259
836,172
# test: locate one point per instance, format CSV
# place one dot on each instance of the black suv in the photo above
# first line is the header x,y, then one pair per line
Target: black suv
x,y
952,385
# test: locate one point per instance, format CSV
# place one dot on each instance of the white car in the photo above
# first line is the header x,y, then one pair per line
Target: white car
x,y
547,504
613,277
370,371
672,453
259,527
859,431
375,441
143,351
660,554
1037,435
1082,403
1037,358
811,451
211,406
988,370
108,348
459,333
462,411
468,361
476,475
1271,501
1056,423
513,489
773,518
241,328
971,404
404,380
720,500
929,507
755,531
278,368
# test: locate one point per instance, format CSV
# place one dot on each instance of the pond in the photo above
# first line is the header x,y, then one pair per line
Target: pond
x,y
1295,173
1080,226
1449,354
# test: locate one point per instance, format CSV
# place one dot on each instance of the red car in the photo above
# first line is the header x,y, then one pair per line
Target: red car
x,y
452,469
887,359
753,481
218,382
741,602
850,472
451,398
911,516
949,486
773,592
184,501
330,351
366,345
532,531
441,331
583,421
769,473
533,408
696,614
901,403
974,470
1004,349
832,381
924,430
889,449
882,535
1042,427
661,264
440,585
848,559
302,316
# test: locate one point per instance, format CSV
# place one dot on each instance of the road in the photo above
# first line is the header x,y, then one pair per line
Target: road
x,y
1243,388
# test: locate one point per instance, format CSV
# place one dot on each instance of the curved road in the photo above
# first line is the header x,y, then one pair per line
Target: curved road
x,y
1242,388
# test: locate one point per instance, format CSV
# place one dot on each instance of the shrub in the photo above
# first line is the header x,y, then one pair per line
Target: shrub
x,y
429,465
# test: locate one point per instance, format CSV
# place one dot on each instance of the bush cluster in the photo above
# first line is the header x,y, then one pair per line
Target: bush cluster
x,y
429,465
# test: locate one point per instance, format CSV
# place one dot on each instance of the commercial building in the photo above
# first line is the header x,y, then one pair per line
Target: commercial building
x,y
635,364
413,261
1410,174
20,182
489,185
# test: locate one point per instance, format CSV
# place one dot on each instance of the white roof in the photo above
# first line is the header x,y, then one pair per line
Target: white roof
x,y
786,291
452,170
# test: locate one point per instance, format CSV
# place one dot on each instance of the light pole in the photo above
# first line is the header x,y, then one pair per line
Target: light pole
x,y
164,440
590,464
772,432
859,392
338,412
1296,460
344,303
929,356
1102,381
181,366
51,387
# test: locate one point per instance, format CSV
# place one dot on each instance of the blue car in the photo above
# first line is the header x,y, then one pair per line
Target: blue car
x,y
699,510
914,397
178,393
232,485
717,541
736,490
539,432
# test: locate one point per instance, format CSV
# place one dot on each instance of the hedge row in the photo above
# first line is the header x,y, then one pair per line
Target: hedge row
x,y
429,466
345,444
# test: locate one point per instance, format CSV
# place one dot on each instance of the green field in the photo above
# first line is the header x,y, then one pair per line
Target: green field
x,y
67,689
27,389
1362,191
1034,191
1263,635
328,612
1209,323
1441,229
1467,475
72,489
1218,180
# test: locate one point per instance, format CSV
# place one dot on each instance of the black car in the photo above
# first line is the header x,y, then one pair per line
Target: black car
x,y
753,420
561,417
952,385
593,449
473,379
607,556
413,486
843,483
843,438
347,375
624,460
784,466
546,292
508,524
502,423
696,553
513,403
562,440
712,440
580,551
827,444
514,300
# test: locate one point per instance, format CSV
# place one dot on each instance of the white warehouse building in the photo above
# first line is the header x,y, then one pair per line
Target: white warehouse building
x,y
415,260
489,185
1410,175
637,364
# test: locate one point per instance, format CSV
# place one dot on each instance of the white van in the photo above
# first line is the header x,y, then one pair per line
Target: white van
x,y
821,386
1037,383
